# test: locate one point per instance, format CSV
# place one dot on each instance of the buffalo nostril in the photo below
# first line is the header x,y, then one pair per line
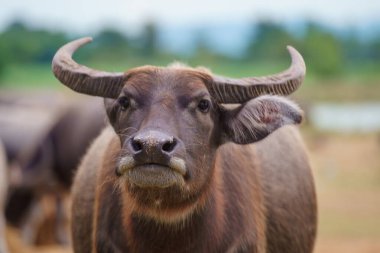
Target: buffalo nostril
x,y
169,146
137,146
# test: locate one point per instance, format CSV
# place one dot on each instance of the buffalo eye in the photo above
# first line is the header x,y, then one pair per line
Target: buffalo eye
x,y
204,105
124,103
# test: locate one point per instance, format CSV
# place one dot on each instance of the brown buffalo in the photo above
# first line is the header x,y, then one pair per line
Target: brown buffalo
x,y
45,136
180,170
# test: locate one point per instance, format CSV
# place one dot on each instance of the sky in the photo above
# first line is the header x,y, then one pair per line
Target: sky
x,y
87,16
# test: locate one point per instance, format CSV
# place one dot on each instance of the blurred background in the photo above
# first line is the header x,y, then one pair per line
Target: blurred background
x,y
340,41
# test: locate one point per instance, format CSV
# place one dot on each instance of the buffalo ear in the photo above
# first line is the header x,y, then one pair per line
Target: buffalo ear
x,y
257,118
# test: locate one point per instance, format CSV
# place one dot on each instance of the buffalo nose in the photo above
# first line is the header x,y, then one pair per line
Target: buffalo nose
x,y
153,142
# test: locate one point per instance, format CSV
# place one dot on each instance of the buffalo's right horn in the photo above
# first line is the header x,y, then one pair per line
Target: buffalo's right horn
x,y
83,79
230,90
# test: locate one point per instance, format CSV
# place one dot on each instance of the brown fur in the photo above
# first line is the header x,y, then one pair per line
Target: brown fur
x,y
237,198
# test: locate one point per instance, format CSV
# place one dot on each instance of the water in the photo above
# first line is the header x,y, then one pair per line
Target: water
x,y
351,117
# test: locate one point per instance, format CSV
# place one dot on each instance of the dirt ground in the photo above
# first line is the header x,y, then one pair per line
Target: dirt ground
x,y
347,172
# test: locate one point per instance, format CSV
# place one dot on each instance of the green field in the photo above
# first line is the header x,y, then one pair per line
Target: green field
x,y
352,85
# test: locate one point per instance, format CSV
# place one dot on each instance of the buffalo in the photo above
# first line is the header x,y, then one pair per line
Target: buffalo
x,y
192,161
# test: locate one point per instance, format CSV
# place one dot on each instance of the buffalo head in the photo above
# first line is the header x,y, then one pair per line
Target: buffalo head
x,y
171,120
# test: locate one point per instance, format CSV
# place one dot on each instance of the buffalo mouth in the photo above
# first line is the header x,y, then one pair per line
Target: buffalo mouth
x,y
157,175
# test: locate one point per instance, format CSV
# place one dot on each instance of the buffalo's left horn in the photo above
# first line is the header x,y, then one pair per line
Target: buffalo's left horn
x,y
228,90
81,78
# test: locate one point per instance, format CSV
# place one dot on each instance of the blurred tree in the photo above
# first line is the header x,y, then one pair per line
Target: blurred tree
x,y
373,49
268,42
322,51
110,46
326,52
19,44
2,68
203,53
149,40
352,48
111,38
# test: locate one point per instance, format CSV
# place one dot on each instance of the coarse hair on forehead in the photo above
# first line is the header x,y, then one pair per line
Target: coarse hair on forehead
x,y
174,69
176,65
181,65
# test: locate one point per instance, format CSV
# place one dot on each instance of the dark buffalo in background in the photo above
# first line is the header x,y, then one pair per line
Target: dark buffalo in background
x,y
45,136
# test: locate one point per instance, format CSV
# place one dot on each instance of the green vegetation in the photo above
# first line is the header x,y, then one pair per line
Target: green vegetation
x,y
333,60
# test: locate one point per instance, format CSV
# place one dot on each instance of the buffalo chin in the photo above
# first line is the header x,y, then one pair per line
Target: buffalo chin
x,y
154,176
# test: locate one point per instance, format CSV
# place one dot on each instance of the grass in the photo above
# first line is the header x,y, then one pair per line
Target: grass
x,y
29,76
